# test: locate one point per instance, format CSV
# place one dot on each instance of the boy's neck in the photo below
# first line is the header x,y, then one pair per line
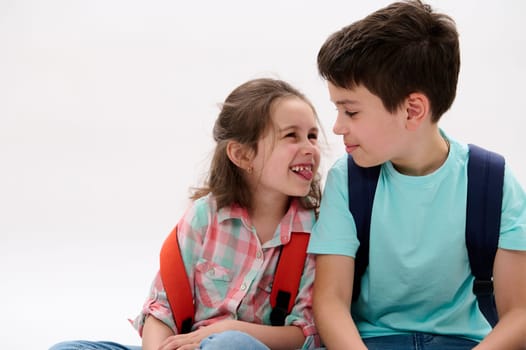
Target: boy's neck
x,y
427,157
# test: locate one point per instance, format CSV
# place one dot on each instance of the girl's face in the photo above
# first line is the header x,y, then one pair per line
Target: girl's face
x,y
288,155
370,133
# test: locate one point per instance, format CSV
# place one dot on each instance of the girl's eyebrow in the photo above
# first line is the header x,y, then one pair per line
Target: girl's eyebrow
x,y
288,127
295,127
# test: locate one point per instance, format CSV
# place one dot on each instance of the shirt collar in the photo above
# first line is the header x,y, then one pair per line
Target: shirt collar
x,y
296,219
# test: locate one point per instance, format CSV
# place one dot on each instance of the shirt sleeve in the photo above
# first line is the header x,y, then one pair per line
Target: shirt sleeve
x,y
301,314
156,305
190,241
335,231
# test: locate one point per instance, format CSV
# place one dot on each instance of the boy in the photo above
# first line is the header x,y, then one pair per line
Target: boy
x,y
392,75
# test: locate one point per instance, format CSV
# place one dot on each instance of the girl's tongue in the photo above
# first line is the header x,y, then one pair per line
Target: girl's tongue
x,y
305,173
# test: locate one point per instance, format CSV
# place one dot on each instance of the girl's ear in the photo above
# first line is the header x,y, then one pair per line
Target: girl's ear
x,y
239,154
418,109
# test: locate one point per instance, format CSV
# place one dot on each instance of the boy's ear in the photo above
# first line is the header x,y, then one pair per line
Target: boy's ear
x,y
418,108
239,154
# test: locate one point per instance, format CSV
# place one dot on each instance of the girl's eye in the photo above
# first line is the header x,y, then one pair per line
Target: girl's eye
x,y
290,134
313,136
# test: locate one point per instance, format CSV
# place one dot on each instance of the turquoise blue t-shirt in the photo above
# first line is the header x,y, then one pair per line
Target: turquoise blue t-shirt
x,y
418,278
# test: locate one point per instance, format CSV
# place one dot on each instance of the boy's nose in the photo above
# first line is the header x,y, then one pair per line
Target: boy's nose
x,y
339,127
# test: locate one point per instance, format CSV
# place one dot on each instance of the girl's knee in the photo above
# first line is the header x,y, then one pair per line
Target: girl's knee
x,y
91,345
67,345
234,340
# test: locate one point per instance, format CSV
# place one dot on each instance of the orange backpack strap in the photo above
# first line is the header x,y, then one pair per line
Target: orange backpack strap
x,y
176,285
287,277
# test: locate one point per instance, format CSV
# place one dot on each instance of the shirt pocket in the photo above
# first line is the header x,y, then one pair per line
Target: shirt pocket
x,y
212,282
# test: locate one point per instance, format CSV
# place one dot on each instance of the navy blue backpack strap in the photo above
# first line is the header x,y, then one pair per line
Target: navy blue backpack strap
x,y
362,187
483,213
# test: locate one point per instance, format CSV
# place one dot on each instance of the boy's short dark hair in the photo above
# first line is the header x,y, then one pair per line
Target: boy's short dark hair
x,y
397,50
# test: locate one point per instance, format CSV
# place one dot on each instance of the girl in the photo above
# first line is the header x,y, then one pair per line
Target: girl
x,y
262,185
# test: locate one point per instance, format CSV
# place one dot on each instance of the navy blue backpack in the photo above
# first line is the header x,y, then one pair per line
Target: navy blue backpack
x,y
483,213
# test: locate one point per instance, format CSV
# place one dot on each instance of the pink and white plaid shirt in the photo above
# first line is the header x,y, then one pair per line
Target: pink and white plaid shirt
x,y
231,272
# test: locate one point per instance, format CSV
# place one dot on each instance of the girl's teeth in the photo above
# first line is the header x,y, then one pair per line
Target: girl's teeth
x,y
300,168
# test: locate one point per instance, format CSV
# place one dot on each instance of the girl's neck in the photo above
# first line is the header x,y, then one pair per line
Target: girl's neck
x,y
266,215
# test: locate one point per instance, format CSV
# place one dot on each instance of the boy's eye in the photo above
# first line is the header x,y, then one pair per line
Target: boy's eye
x,y
290,134
313,136
347,113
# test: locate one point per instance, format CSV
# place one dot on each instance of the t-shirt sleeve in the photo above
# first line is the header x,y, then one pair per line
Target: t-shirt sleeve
x,y
513,219
335,232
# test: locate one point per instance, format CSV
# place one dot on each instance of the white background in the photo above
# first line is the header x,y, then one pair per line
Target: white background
x,y
106,110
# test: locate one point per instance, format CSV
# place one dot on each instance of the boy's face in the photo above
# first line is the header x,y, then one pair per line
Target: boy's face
x,y
370,133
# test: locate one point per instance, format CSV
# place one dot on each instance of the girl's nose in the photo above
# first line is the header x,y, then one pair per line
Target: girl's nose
x,y
309,147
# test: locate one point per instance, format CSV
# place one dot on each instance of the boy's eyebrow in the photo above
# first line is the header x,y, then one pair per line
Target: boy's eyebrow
x,y
344,102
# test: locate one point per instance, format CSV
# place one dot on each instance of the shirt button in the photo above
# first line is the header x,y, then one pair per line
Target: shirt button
x,y
259,255
243,286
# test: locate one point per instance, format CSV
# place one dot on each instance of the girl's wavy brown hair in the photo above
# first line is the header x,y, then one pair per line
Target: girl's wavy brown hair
x,y
245,117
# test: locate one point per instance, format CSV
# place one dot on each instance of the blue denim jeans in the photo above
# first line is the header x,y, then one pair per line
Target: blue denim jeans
x,y
232,340
418,341
92,345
